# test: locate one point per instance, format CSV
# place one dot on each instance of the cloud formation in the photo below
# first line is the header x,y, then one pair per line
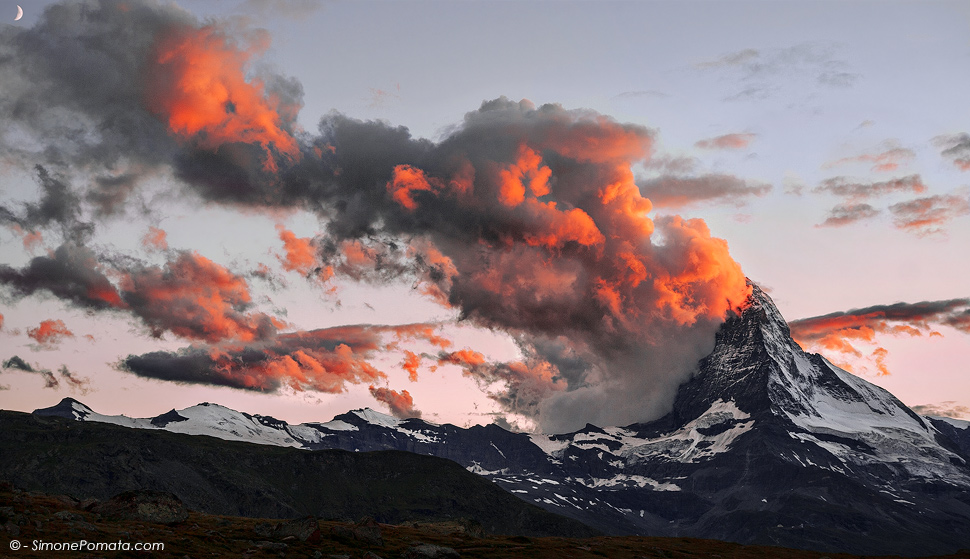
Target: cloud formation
x,y
843,214
925,216
727,141
524,219
948,408
840,332
155,239
400,403
956,148
854,191
76,383
49,333
889,159
676,192
762,72
324,360
71,273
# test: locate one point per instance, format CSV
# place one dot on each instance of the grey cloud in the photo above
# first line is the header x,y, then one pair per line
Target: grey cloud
x,y
675,192
843,214
956,148
854,190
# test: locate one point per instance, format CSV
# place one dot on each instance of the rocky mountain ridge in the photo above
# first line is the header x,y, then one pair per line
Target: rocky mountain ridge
x,y
765,444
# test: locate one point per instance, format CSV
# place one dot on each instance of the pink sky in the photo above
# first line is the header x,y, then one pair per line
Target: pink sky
x,y
207,210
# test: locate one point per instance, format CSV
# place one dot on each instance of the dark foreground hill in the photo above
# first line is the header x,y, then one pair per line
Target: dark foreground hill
x,y
35,520
56,455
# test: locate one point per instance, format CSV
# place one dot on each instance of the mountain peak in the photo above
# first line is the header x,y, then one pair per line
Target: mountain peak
x,y
67,407
757,365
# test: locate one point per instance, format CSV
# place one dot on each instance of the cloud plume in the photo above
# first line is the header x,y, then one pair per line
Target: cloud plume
x,y
524,219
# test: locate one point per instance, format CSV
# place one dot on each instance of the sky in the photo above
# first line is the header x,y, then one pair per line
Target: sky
x,y
529,213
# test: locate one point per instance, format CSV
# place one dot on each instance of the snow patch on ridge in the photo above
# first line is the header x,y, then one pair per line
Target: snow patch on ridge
x,y
377,418
689,444
624,480
551,446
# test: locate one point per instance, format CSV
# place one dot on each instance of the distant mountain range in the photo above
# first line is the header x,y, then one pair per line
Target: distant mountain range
x,y
765,444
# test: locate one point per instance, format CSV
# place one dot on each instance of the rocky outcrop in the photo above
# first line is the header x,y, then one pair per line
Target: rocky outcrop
x,y
158,507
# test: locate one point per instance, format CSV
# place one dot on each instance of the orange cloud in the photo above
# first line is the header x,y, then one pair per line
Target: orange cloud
x,y
406,181
196,83
400,403
50,332
323,360
527,169
839,332
924,216
527,383
300,254
155,239
411,363
463,357
195,298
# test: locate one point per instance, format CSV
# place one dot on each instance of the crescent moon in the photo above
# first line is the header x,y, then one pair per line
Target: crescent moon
x,y
20,13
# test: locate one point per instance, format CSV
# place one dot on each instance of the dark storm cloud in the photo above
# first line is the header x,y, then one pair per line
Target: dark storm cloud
x,y
72,273
190,295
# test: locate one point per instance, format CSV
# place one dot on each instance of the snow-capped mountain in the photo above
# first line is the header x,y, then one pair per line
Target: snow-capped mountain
x,y
765,444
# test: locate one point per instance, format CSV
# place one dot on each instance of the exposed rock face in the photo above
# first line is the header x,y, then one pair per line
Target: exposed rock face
x,y
430,551
144,506
303,529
